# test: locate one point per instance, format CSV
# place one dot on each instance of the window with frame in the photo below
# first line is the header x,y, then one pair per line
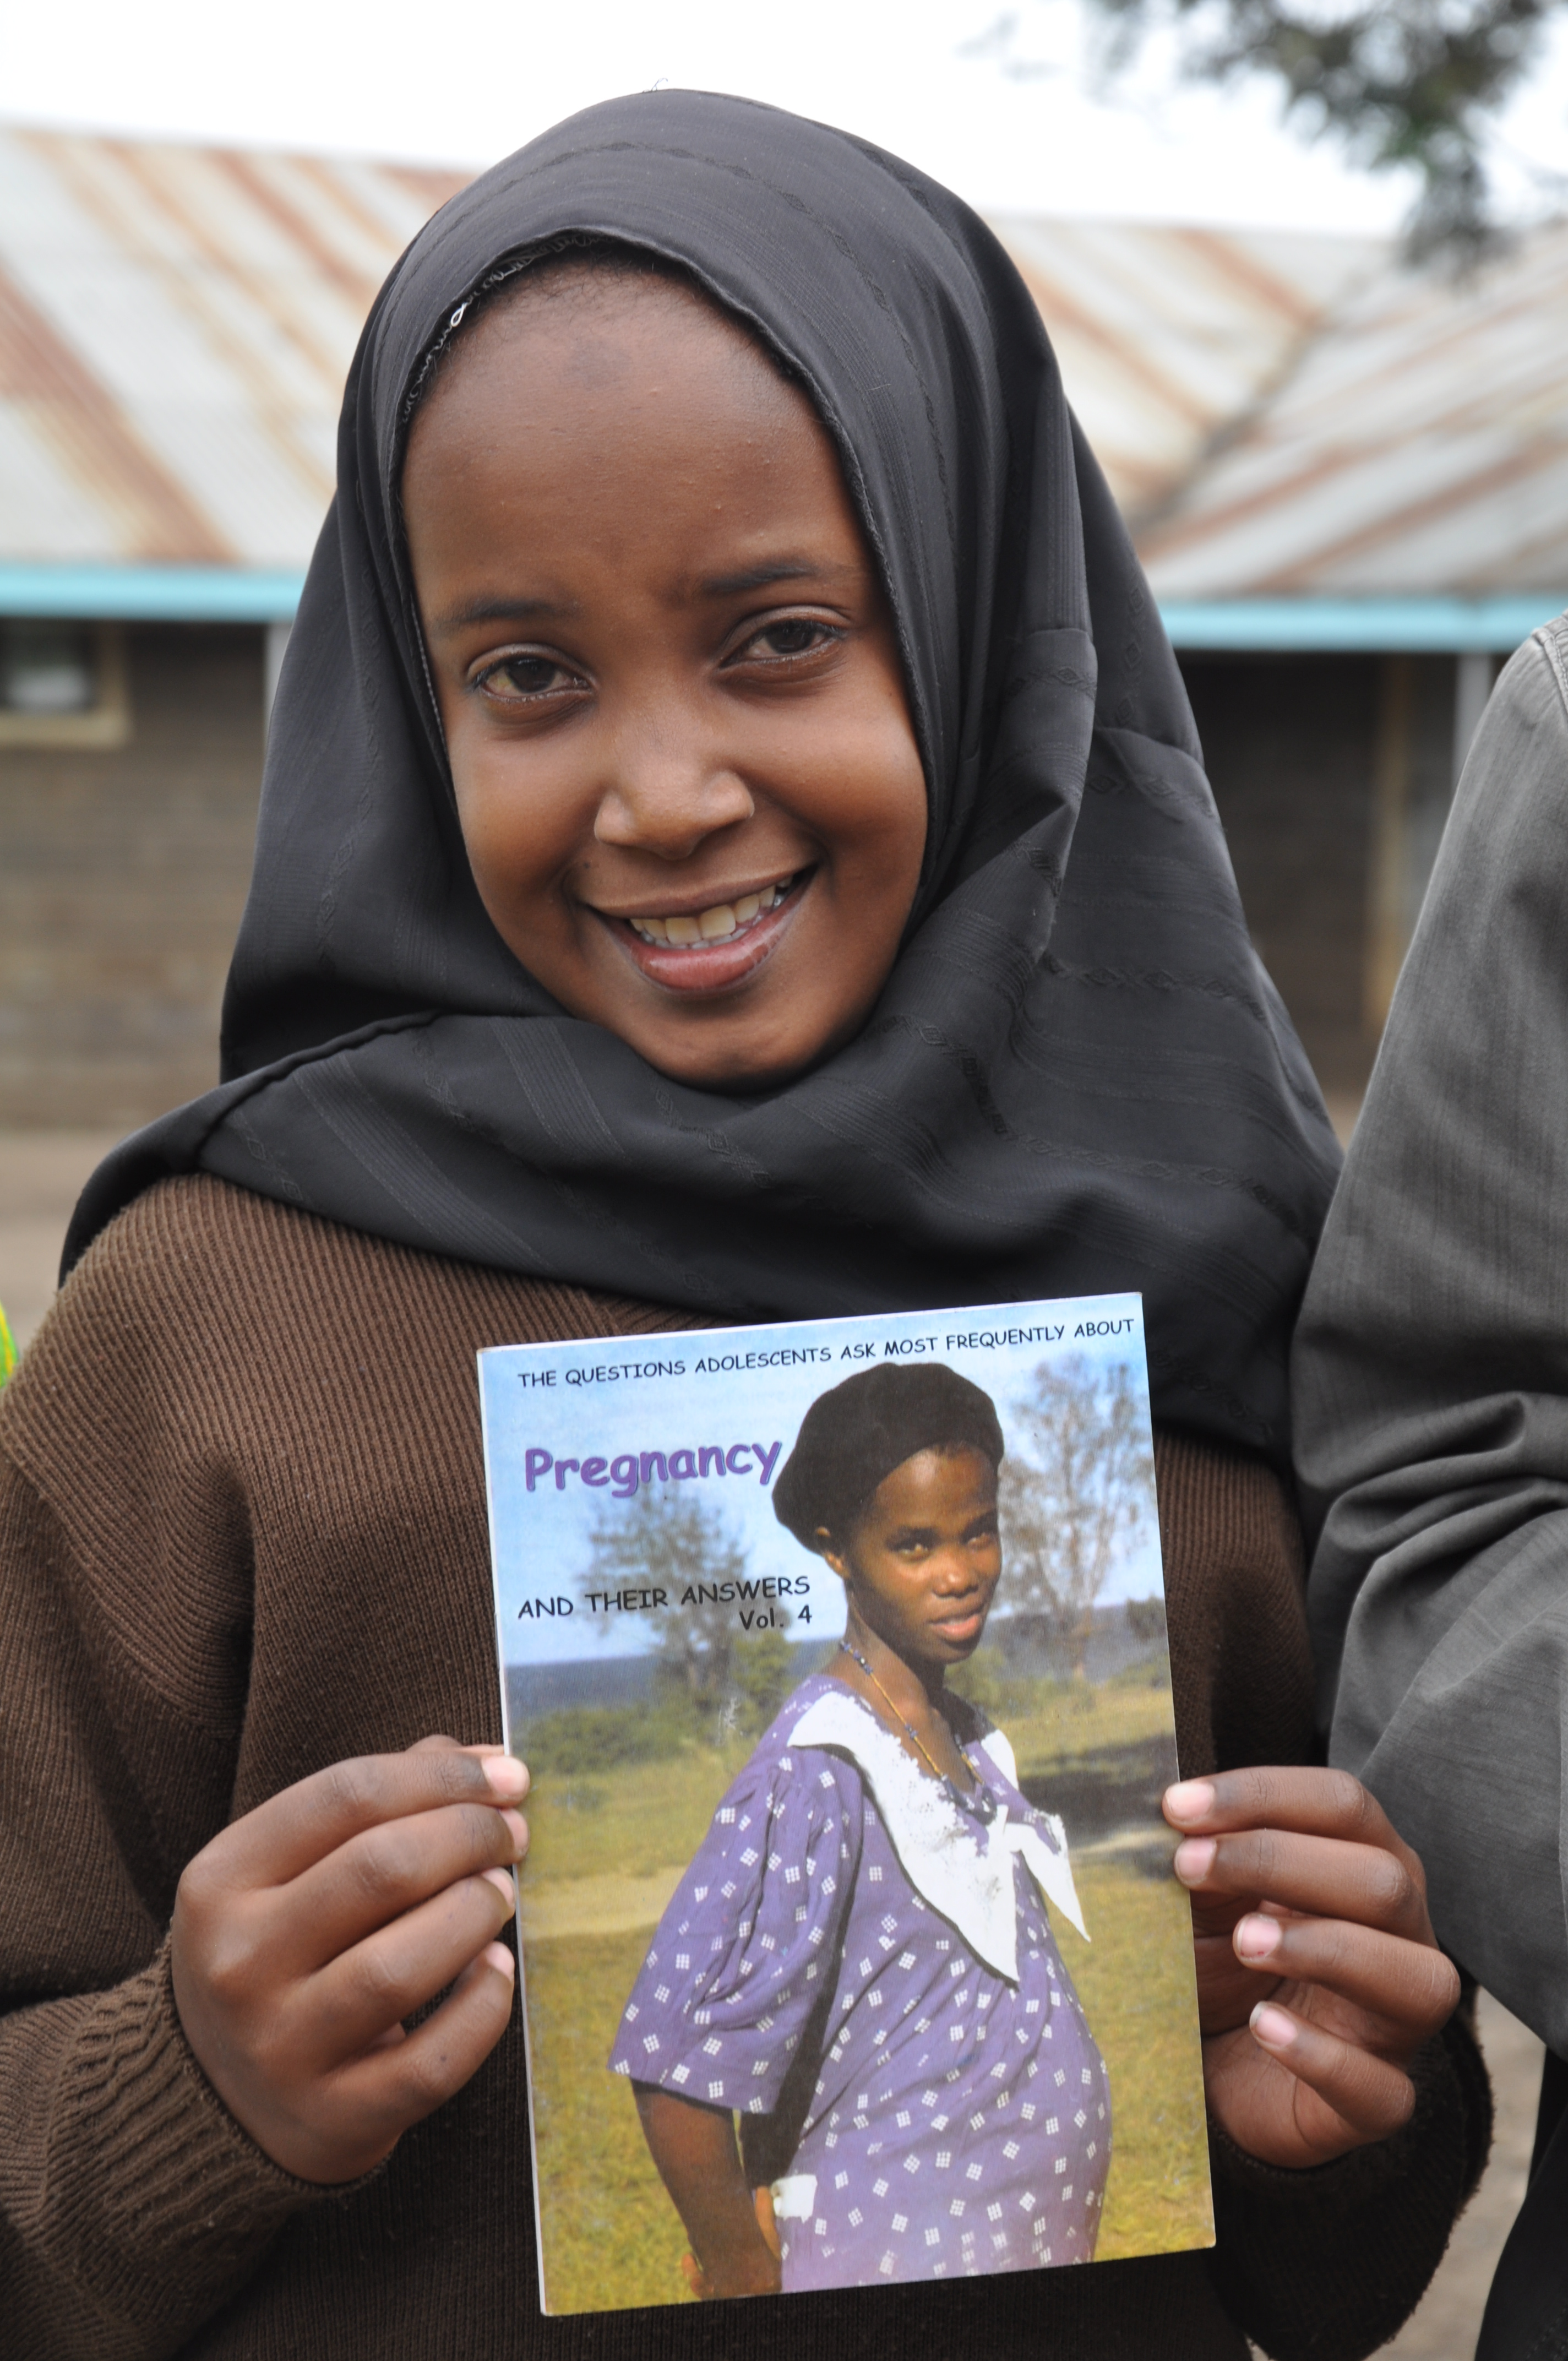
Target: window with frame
x,y
62,683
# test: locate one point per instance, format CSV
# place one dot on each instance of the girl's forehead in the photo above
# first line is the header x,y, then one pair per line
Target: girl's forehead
x,y
600,329
639,417
941,1475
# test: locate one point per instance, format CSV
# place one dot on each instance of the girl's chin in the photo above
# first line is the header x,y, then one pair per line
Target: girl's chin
x,y
936,1651
724,1046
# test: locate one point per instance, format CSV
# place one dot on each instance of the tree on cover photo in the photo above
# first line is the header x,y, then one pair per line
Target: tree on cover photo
x,y
1076,1492
731,1679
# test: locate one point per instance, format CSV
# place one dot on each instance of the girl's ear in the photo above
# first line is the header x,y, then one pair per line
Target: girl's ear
x,y
823,1543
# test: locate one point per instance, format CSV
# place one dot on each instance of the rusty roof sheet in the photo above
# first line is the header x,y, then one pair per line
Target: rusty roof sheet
x,y
1420,444
1167,335
1279,415
176,325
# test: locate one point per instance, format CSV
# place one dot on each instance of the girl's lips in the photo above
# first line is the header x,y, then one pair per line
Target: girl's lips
x,y
717,965
961,1627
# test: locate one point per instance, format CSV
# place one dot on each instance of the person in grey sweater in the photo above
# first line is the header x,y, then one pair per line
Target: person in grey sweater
x,y
1431,1402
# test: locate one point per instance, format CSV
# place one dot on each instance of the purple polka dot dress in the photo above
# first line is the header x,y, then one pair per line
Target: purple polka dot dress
x,y
855,1954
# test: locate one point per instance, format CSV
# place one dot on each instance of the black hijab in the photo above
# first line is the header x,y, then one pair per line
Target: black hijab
x,y
1077,1078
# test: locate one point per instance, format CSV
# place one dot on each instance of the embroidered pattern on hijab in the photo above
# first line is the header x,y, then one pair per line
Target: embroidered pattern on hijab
x,y
1077,1078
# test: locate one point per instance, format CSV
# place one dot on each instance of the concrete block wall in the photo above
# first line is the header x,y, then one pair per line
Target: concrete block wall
x,y
123,874
1332,775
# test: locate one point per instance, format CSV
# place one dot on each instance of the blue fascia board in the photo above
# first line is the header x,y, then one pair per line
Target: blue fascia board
x,y
151,594
222,594
1435,626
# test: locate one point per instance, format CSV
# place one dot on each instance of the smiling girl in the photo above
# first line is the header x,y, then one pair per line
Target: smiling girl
x,y
733,846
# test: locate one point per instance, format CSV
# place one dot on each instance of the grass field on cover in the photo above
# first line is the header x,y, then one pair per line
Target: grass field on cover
x,y
603,1846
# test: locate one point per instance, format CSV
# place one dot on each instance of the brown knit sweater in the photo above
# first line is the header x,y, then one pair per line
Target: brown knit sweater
x,y
242,1534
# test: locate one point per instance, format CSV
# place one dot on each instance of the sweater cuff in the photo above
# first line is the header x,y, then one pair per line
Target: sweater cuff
x,y
1332,2259
161,2205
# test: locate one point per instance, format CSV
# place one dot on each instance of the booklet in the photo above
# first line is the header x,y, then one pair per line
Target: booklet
x,y
837,1650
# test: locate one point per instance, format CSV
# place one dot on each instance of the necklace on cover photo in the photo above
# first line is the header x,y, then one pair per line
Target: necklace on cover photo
x,y
979,1804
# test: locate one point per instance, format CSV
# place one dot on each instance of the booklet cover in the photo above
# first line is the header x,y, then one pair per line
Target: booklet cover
x,y
836,1650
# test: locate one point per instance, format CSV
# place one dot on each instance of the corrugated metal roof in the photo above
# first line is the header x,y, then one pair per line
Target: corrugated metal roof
x,y
1283,417
1420,444
175,327
176,323
1167,335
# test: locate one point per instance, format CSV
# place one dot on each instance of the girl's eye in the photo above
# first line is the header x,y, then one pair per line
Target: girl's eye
x,y
794,635
517,679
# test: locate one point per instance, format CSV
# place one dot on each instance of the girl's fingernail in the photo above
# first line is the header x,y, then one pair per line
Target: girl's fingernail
x,y
1195,1858
507,1775
516,1828
501,1880
1272,2026
1190,1799
501,1960
1258,1938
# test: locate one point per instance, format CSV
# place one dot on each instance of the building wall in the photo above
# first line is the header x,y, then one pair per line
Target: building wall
x,y
1331,773
123,875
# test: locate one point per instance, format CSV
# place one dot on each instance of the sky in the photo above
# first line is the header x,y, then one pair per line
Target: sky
x,y
544,1403
997,100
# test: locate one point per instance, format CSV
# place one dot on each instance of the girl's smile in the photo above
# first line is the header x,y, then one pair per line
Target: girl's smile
x,y
711,948
684,766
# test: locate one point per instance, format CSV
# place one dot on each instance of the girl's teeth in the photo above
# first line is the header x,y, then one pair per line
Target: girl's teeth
x,y
711,926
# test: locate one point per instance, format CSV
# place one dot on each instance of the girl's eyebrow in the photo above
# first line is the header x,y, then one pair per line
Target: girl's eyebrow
x,y
513,610
498,610
758,578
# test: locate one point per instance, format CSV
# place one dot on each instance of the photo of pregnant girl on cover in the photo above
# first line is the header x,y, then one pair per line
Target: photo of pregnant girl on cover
x,y
858,1962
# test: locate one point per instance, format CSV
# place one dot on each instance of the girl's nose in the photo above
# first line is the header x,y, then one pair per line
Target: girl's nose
x,y
666,798
954,1577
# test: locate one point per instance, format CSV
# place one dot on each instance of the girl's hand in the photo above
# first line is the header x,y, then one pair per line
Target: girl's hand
x,y
759,2277
1319,1975
308,1931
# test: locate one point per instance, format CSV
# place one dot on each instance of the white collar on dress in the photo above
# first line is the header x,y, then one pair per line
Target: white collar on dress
x,y
964,1867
